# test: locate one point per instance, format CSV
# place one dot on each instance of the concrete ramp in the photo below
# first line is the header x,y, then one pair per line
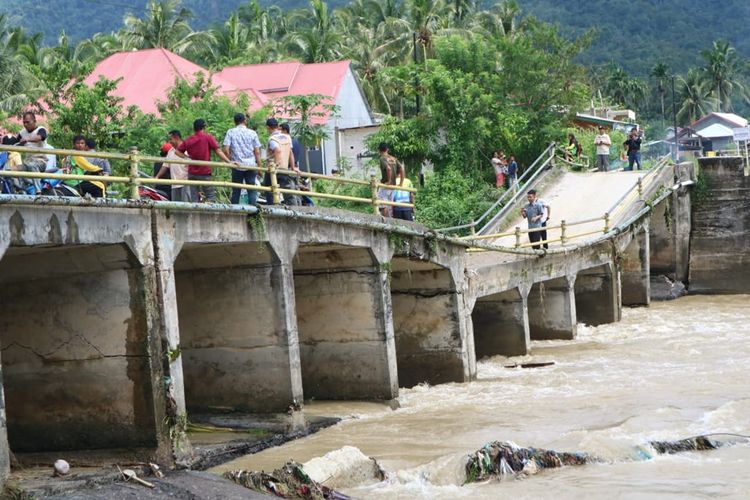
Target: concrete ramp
x,y
578,196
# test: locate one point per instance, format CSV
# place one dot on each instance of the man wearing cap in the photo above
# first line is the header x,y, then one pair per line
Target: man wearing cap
x,y
242,145
602,142
280,152
198,147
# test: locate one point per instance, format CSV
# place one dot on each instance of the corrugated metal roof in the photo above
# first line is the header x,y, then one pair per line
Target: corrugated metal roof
x,y
147,75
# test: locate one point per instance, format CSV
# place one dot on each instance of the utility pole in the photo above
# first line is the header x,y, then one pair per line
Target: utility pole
x,y
674,121
416,70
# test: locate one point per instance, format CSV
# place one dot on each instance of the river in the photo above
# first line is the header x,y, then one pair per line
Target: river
x,y
670,371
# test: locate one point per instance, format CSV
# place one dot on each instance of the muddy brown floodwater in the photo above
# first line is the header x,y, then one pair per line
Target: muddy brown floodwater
x,y
670,371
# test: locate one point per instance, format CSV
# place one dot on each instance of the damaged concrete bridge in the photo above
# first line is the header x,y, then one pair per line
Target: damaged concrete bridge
x,y
119,319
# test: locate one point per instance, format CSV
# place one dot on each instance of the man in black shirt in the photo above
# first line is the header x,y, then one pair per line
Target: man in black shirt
x,y
633,145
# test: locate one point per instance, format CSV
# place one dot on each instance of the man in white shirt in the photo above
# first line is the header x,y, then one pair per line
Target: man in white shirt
x,y
177,171
242,145
545,217
602,142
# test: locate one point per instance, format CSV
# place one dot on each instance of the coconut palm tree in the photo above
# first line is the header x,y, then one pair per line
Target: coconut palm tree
x,y
425,17
722,74
165,25
695,97
661,73
317,38
18,85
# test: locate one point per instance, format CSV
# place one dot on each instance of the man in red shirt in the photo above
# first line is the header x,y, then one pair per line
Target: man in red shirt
x,y
198,147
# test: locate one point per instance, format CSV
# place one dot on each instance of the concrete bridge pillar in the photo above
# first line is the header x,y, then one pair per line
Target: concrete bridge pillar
x,y
635,270
719,250
597,295
428,319
344,318
501,324
670,227
4,448
552,309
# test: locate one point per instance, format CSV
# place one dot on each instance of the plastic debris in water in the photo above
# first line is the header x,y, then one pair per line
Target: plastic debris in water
x,y
508,459
289,481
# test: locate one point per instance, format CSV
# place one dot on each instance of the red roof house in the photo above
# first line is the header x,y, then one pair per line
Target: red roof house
x,y
293,78
147,75
333,79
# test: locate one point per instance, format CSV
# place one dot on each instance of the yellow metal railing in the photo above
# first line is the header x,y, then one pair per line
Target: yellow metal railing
x,y
636,193
133,180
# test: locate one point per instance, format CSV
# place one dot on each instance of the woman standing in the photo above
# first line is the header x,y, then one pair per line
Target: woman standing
x,y
499,165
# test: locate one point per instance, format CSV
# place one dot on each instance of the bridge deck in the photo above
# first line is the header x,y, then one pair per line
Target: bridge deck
x,y
577,196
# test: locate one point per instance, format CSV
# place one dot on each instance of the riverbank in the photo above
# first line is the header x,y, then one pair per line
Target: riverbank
x,y
216,439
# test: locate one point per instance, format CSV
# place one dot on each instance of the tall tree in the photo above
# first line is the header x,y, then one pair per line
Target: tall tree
x,y
695,99
165,25
722,73
317,39
660,73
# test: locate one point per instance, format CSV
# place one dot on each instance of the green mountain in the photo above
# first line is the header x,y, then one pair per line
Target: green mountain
x,y
635,34
82,18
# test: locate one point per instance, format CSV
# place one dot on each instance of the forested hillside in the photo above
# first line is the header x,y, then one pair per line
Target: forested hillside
x,y
635,34
82,18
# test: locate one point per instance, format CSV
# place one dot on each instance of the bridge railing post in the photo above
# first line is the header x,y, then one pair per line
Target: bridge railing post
x,y
563,228
518,236
274,183
134,162
640,188
606,223
374,194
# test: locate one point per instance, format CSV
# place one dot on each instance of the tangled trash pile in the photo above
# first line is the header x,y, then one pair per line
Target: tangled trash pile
x,y
500,459
697,443
503,459
289,481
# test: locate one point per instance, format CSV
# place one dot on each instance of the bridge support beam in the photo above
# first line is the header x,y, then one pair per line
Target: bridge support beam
x,y
428,321
552,310
501,324
346,339
635,271
597,295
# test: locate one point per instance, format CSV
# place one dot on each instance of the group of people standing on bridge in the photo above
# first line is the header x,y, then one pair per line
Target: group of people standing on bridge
x,y
631,149
506,169
603,143
393,173
34,137
242,148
